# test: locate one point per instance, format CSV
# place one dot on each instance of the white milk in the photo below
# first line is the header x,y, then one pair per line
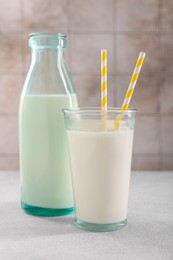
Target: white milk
x,y
101,164
44,159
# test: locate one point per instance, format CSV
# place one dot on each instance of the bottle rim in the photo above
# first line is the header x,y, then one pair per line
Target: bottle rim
x,y
97,111
47,40
55,34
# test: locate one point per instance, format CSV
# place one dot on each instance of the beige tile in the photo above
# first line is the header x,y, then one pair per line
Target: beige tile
x,y
45,15
145,162
166,95
167,134
167,162
130,44
9,162
8,134
10,89
146,94
167,54
166,16
10,16
134,15
91,15
10,54
88,90
146,135
85,52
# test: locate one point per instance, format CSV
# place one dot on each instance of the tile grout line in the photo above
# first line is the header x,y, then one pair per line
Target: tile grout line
x,y
115,50
22,48
151,154
68,6
113,31
119,73
9,154
79,32
159,86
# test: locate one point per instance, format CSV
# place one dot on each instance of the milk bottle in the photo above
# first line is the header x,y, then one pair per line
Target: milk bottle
x,y
46,188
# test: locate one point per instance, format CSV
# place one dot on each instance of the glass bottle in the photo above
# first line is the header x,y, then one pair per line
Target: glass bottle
x,y
46,188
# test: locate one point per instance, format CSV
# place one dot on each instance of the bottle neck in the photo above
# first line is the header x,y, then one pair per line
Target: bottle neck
x,y
48,57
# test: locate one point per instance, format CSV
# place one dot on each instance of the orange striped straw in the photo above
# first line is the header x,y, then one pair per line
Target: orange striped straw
x,y
104,80
133,81
131,86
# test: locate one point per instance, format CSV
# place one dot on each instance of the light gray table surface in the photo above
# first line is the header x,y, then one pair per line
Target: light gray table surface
x,y
148,235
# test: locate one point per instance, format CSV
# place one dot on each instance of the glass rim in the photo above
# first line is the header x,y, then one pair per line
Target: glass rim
x,y
55,34
98,111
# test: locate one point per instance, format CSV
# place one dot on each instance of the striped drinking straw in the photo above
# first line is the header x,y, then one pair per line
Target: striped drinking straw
x,y
104,80
133,81
131,86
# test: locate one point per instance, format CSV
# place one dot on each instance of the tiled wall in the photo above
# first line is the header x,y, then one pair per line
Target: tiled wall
x,y
124,27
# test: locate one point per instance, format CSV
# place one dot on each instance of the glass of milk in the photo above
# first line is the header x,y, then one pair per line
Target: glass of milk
x,y
100,155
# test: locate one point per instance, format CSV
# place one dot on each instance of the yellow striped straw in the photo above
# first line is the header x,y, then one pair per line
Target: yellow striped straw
x,y
104,80
131,86
133,81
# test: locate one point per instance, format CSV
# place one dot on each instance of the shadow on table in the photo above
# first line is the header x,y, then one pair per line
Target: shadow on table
x,y
15,223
